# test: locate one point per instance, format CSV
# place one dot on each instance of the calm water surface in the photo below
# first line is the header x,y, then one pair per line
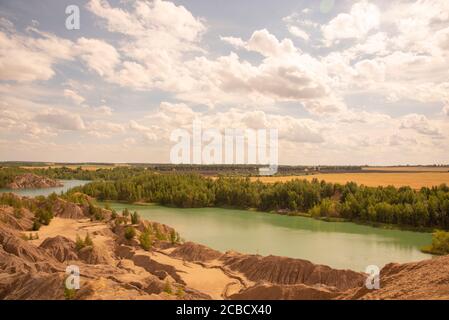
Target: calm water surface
x,y
67,184
337,244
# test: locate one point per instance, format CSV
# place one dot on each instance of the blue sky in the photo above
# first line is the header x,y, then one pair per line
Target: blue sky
x,y
344,82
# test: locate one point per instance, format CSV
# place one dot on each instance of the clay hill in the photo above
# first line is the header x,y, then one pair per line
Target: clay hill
x,y
32,181
114,265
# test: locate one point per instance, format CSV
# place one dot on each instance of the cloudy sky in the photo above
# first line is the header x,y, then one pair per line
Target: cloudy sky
x,y
344,82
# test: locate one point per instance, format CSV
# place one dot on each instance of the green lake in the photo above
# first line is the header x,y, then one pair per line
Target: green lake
x,y
341,245
337,244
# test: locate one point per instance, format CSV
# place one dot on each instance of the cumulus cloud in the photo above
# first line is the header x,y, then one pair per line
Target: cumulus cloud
x,y
362,18
73,95
420,124
98,55
60,119
26,59
297,32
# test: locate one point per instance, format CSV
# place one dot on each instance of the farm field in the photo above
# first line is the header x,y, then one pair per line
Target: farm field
x,y
414,180
407,169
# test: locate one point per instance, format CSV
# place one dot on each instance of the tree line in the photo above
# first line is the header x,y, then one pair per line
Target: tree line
x,y
425,208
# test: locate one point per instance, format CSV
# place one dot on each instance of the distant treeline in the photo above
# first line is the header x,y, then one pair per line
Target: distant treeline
x,y
427,208
7,174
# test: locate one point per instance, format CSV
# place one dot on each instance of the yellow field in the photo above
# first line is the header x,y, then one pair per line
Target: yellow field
x,y
411,168
414,180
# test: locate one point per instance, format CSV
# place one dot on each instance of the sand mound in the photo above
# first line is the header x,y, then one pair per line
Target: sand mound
x,y
61,248
195,252
289,271
428,279
19,219
33,285
285,292
68,210
95,255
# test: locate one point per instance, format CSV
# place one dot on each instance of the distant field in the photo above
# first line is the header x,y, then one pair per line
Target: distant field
x,y
414,180
411,168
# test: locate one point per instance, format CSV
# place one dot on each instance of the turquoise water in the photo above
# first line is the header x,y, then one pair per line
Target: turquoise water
x,y
338,244
341,245
68,184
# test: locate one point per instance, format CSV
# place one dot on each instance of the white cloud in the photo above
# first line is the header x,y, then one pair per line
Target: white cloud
x,y
362,18
78,99
24,59
446,110
105,110
297,32
421,124
60,119
98,55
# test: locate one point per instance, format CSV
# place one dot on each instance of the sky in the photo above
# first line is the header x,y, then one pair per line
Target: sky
x,y
344,82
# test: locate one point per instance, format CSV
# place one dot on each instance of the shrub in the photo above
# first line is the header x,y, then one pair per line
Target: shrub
x,y
36,225
440,243
130,233
79,243
167,287
180,292
99,215
88,240
18,213
146,240
125,212
135,218
174,237
43,216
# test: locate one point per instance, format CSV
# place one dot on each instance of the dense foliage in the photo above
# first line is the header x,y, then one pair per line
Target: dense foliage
x,y
428,207
440,243
7,174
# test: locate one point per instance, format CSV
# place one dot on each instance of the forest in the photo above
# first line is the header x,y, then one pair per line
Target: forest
x,y
65,173
426,208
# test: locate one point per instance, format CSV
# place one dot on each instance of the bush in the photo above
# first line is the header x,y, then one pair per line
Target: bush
x,y
125,212
18,213
174,237
88,240
146,240
80,243
43,216
180,292
327,208
167,287
135,218
440,243
36,225
130,233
